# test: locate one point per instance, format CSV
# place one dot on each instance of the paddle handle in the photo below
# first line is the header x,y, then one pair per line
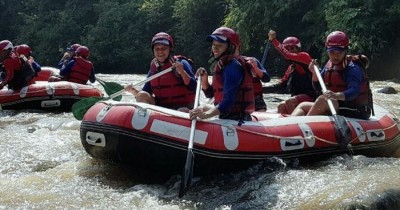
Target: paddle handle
x,y
322,83
267,46
196,104
142,82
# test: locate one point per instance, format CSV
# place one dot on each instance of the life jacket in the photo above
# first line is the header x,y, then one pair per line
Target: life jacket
x,y
257,85
28,70
335,81
244,102
169,89
80,71
19,79
300,80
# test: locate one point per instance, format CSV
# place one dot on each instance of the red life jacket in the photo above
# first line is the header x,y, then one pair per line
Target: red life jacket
x,y
80,71
10,65
15,73
335,81
245,96
257,85
169,89
28,71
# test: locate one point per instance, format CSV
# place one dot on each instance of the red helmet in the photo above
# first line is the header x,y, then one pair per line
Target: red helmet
x,y
337,39
23,49
73,47
222,34
291,41
5,45
82,51
162,38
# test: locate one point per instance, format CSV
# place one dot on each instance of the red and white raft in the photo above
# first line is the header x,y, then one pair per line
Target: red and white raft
x,y
46,72
152,137
52,96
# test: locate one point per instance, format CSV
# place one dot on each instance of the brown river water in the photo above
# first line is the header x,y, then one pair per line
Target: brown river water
x,y
44,166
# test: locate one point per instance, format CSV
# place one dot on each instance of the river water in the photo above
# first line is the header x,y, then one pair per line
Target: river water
x,y
44,166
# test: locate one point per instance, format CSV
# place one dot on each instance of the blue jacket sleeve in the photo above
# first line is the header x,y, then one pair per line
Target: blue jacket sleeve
x,y
354,78
60,64
232,78
65,70
147,86
36,67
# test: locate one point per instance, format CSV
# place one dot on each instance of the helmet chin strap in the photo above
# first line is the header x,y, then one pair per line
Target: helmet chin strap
x,y
231,50
159,64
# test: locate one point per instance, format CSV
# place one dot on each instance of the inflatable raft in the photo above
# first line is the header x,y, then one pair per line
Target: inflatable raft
x,y
46,72
56,96
156,138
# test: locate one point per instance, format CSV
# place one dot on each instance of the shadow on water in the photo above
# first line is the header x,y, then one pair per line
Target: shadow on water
x,y
388,200
106,173
238,189
252,188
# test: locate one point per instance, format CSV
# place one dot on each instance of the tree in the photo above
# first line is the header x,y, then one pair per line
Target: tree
x,y
194,20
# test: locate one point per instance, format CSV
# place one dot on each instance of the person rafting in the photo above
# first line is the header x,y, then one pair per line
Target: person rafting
x,y
175,89
260,75
232,82
29,65
348,88
16,75
79,69
69,54
297,77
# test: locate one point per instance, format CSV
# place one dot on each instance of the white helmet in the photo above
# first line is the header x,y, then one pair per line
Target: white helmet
x,y
5,45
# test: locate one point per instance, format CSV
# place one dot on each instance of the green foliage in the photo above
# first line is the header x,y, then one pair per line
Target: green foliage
x,y
115,36
194,20
254,19
118,32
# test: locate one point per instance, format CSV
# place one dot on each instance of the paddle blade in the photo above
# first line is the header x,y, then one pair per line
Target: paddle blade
x,y
342,131
80,108
187,174
111,88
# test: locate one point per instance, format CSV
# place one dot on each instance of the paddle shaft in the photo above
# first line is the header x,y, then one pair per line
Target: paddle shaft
x,y
187,171
142,82
81,107
267,46
196,104
321,82
344,132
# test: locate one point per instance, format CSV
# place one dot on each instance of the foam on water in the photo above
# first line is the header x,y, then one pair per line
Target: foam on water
x,y
44,166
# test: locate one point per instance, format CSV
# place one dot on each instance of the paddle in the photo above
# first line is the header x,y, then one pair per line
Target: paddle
x,y
342,130
188,170
111,88
80,108
267,46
